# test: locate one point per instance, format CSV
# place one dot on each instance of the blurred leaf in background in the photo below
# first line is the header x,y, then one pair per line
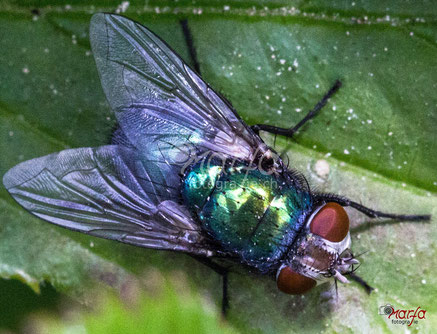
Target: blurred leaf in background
x,y
169,306
375,142
17,301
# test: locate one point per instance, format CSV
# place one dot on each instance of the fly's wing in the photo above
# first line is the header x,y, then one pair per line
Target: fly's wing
x,y
162,106
107,192
130,191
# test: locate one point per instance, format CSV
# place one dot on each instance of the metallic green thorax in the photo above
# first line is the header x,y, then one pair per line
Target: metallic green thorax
x,y
247,211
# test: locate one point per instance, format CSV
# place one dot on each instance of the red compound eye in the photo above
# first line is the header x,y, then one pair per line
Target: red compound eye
x,y
290,282
331,222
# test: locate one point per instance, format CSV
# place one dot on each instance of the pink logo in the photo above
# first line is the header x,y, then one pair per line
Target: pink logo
x,y
402,317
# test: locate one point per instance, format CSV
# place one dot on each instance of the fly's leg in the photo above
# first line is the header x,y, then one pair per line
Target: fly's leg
x,y
189,40
193,54
311,114
223,272
225,297
343,201
360,281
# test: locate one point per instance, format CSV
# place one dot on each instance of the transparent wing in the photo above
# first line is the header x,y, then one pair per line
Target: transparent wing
x,y
107,192
158,99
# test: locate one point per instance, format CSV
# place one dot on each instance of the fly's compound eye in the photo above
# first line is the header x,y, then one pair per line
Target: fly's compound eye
x,y
331,222
291,282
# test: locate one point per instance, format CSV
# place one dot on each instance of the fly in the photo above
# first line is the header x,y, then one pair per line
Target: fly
x,y
184,173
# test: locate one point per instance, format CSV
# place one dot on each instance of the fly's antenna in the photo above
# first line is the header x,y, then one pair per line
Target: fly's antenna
x,y
355,266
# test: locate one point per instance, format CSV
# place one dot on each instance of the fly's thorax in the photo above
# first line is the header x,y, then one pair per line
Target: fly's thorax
x,y
319,252
253,214
198,184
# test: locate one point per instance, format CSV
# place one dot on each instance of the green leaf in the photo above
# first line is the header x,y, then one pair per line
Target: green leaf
x,y
274,61
163,309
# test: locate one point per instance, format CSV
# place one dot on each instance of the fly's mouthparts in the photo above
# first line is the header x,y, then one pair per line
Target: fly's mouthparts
x,y
343,266
340,277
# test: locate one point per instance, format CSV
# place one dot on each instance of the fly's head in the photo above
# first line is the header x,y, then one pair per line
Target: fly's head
x,y
319,253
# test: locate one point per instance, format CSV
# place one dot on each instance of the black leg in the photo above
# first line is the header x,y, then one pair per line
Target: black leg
x,y
223,272
189,40
291,131
361,282
225,298
193,54
367,211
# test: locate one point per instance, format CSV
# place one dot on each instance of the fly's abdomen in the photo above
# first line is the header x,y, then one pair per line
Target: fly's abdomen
x,y
246,211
